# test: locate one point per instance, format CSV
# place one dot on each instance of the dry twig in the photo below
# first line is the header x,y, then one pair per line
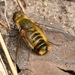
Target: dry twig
x,y
21,6
5,14
45,2
3,70
13,69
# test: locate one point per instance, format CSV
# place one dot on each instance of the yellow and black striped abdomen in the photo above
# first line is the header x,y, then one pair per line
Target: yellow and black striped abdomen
x,y
38,40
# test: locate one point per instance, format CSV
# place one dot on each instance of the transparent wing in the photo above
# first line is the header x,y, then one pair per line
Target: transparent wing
x,y
63,45
62,52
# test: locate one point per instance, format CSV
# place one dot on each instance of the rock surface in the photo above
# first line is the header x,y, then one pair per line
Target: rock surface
x,y
57,20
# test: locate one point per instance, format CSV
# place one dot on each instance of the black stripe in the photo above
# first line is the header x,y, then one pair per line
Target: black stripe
x,y
38,44
35,34
37,38
39,48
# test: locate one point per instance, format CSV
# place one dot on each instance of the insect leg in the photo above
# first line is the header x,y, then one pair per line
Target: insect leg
x,y
18,44
23,33
54,43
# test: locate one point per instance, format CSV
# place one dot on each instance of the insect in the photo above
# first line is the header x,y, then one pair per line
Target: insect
x,y
31,34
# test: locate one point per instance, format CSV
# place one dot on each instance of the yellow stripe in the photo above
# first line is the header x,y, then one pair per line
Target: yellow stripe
x,y
39,31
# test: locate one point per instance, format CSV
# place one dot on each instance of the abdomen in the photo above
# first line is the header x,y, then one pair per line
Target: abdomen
x,y
37,41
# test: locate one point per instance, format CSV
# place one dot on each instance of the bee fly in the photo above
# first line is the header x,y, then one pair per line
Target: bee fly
x,y
31,33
